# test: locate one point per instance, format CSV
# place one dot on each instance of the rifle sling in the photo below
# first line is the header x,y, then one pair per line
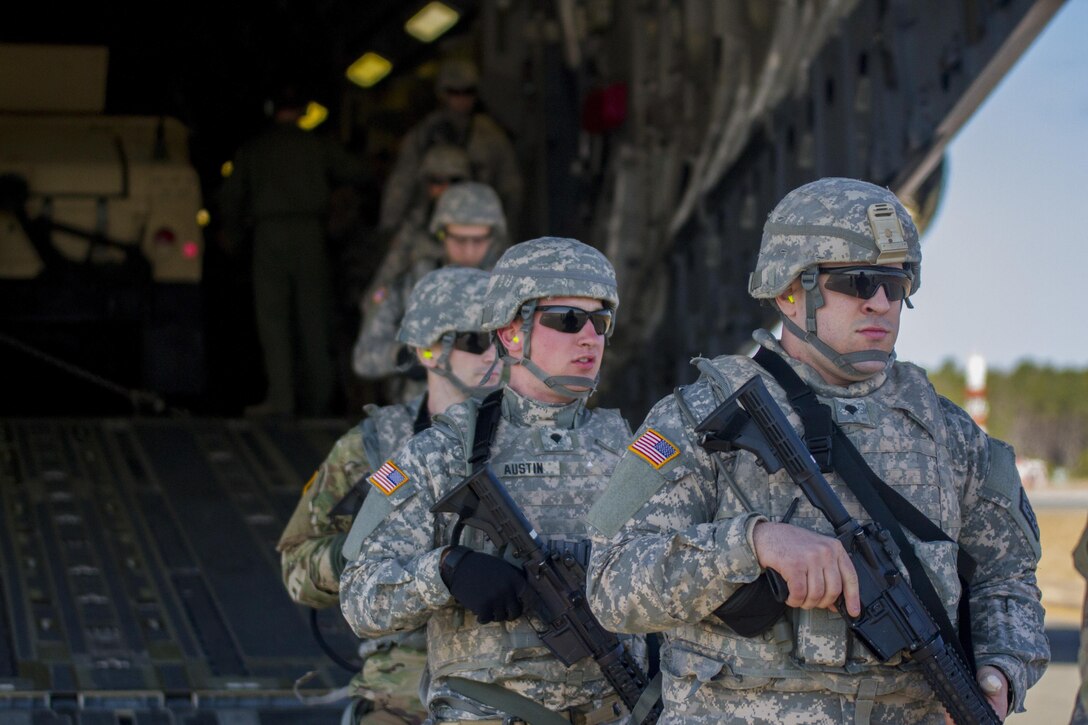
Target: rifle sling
x,y
883,503
487,422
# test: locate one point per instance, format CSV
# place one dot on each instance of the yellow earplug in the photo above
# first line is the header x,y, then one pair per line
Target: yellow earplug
x,y
516,339
790,298
428,354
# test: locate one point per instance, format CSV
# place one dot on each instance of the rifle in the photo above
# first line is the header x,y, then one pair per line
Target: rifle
x,y
556,585
893,619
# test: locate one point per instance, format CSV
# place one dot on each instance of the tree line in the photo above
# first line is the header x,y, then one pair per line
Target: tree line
x,y
1041,410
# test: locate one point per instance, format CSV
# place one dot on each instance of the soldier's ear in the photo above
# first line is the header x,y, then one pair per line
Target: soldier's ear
x,y
511,338
789,300
426,357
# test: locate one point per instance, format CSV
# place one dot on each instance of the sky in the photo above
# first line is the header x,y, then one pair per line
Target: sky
x,y
1005,261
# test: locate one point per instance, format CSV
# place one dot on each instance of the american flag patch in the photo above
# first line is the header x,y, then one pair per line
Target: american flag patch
x,y
388,478
653,447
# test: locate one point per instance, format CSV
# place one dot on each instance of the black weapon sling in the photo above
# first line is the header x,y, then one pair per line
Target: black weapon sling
x,y
487,422
886,505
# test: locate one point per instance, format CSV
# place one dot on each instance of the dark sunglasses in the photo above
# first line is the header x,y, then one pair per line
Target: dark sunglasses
x,y
572,319
468,239
476,343
443,180
864,281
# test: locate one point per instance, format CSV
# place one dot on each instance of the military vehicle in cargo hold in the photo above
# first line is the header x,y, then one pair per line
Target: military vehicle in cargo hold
x,y
100,246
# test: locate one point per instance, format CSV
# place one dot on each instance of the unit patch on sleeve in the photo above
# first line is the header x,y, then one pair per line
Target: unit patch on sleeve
x,y
654,448
388,478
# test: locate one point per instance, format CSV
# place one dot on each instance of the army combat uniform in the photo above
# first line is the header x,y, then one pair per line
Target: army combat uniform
x,y
415,252
554,459
689,547
310,545
311,560
1080,705
678,523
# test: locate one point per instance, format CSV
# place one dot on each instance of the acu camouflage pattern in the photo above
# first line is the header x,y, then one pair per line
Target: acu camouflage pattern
x,y
823,222
469,202
450,299
689,547
554,460
491,160
547,267
306,543
414,254
313,537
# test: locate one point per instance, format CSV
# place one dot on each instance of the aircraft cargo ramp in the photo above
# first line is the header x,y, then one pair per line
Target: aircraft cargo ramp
x,y
140,582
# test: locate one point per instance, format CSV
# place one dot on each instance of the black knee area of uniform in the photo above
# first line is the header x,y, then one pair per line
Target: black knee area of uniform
x,y
486,585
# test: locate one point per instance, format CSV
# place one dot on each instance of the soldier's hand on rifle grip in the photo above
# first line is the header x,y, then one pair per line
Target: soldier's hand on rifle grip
x,y
816,568
486,585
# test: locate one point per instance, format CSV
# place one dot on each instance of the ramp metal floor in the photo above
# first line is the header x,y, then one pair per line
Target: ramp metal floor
x,y
139,581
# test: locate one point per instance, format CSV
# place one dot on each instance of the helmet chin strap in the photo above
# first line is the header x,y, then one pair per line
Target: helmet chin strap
x,y
842,363
559,383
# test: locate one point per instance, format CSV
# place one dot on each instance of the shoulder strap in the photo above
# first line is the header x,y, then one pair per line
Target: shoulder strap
x,y
886,505
815,416
487,422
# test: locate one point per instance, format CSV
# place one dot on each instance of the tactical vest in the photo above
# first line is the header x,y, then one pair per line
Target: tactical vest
x,y
901,432
554,475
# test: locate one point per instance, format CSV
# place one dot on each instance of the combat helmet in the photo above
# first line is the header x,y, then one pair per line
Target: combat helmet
x,y
445,160
444,302
833,220
457,73
547,267
469,202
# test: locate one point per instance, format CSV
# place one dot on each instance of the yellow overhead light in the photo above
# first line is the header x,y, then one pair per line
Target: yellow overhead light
x,y
368,69
203,218
315,115
227,169
432,21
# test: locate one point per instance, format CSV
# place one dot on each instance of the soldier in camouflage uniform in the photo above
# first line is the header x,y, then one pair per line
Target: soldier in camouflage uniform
x,y
468,224
1080,704
442,326
443,166
680,529
279,191
550,307
457,122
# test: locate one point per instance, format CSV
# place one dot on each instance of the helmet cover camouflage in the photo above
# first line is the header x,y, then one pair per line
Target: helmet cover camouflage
x,y
446,160
834,220
469,202
547,267
457,73
448,299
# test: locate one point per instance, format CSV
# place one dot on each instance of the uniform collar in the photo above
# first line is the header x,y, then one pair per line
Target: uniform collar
x,y
526,412
813,379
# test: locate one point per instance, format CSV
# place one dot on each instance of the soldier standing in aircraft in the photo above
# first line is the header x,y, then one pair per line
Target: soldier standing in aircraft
x,y
459,123
280,188
681,528
466,228
441,326
550,306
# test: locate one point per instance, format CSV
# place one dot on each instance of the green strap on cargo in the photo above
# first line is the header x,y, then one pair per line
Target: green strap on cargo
x,y
506,701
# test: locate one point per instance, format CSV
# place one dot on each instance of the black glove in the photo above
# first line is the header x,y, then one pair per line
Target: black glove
x,y
486,585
